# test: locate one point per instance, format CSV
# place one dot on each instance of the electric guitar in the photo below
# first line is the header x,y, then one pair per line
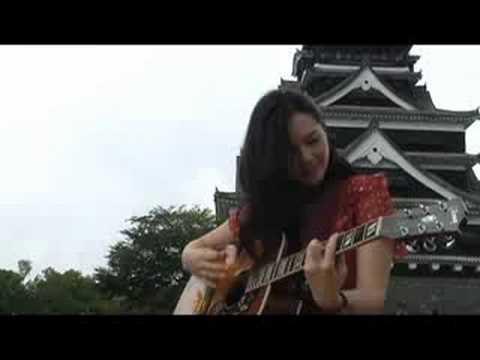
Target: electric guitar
x,y
249,289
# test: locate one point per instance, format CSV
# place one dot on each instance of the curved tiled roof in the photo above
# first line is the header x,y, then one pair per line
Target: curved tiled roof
x,y
351,80
472,197
466,118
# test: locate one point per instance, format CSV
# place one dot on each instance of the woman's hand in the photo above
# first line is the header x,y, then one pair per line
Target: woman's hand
x,y
208,263
324,274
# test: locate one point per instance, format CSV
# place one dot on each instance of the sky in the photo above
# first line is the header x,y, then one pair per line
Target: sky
x,y
92,135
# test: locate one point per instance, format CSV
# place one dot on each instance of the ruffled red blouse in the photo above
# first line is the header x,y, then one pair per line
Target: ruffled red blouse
x,y
340,207
344,205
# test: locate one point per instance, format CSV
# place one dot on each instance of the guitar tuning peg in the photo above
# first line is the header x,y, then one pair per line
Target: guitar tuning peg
x,y
447,241
421,228
429,244
425,209
412,246
408,213
439,225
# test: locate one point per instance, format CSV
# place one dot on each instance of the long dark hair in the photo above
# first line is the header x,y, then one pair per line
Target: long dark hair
x,y
271,200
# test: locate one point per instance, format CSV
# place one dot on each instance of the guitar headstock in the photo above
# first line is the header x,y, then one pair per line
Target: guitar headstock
x,y
445,218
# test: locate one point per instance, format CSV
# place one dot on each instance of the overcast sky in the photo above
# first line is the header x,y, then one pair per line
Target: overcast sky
x,y
92,135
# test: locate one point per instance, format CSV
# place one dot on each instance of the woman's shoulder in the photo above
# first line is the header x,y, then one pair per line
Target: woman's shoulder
x,y
360,183
369,195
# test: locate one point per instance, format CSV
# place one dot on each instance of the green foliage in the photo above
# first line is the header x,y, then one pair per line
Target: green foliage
x,y
143,275
51,293
14,296
24,268
67,293
145,268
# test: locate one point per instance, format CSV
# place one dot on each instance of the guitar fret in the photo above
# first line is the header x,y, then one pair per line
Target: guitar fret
x,y
249,283
371,229
291,262
273,275
284,268
359,232
264,275
261,277
300,260
253,281
281,268
288,262
297,262
269,272
340,239
364,231
272,272
348,239
258,277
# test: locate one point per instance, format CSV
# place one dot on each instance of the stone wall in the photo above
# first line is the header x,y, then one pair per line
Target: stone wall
x,y
433,295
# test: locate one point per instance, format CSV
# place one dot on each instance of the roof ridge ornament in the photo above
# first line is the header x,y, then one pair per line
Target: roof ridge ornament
x,y
365,63
374,124
365,79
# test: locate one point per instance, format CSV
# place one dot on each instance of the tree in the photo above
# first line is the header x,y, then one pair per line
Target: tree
x,y
24,268
14,294
14,297
68,293
145,268
51,293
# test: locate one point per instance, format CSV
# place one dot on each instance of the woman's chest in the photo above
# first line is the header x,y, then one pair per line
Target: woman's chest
x,y
328,213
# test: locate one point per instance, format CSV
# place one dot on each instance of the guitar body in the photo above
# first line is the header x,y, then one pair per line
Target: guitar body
x,y
229,298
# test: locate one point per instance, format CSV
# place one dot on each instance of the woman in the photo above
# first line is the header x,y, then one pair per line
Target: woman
x,y
294,183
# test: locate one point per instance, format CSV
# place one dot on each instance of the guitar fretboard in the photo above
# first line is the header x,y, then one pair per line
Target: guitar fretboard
x,y
294,263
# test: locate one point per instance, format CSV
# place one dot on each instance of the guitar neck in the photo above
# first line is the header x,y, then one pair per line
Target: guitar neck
x,y
294,263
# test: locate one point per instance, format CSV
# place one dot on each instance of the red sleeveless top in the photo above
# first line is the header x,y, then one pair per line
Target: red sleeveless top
x,y
340,207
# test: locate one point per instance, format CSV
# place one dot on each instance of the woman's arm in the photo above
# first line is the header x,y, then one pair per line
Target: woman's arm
x,y
374,262
208,256
325,277
371,199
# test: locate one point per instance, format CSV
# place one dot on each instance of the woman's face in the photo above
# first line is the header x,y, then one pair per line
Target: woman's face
x,y
310,154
